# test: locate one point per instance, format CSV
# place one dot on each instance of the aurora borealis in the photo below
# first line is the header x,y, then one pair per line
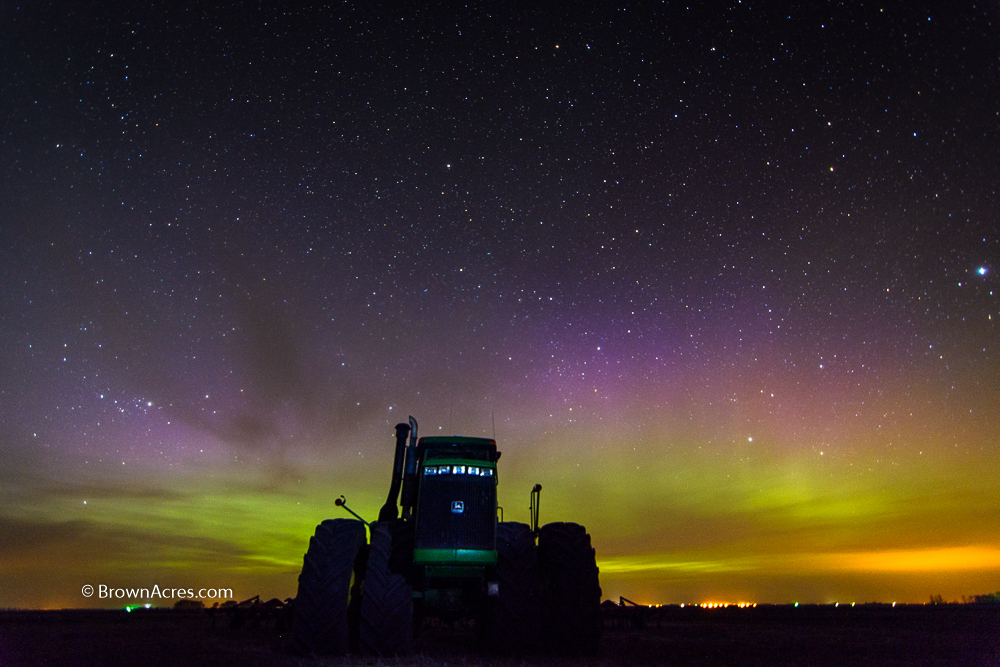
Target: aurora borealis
x,y
721,278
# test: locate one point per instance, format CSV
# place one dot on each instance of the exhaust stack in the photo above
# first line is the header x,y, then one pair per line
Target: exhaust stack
x,y
389,511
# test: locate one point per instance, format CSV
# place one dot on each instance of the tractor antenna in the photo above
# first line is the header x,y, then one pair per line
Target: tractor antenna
x,y
494,420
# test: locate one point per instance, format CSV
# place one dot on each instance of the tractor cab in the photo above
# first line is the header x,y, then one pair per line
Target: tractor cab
x,y
456,505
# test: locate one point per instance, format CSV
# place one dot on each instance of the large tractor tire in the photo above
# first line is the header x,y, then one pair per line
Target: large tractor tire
x,y
512,623
386,601
336,553
571,591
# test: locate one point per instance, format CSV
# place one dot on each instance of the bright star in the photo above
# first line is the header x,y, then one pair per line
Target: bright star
x,y
981,271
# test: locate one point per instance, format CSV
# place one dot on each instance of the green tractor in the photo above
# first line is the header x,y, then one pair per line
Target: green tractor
x,y
444,553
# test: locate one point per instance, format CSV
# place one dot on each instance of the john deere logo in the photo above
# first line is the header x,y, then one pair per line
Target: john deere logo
x,y
457,507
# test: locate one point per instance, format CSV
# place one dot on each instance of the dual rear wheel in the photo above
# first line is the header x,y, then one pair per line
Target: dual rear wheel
x,y
348,599
549,595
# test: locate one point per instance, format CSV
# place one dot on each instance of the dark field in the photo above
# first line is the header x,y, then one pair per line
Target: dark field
x,y
766,635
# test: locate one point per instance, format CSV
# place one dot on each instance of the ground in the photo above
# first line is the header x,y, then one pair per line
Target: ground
x,y
775,636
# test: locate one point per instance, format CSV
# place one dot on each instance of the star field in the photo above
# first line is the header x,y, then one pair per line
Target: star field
x,y
720,277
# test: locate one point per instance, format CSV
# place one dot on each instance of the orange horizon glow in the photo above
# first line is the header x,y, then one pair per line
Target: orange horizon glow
x,y
895,560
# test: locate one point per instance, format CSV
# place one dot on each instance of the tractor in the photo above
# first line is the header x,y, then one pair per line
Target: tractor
x,y
444,552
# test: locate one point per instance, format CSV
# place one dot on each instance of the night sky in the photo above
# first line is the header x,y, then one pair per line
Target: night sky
x,y
721,277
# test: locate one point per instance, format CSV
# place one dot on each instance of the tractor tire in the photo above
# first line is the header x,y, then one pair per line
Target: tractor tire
x,y
512,623
320,625
386,601
570,590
